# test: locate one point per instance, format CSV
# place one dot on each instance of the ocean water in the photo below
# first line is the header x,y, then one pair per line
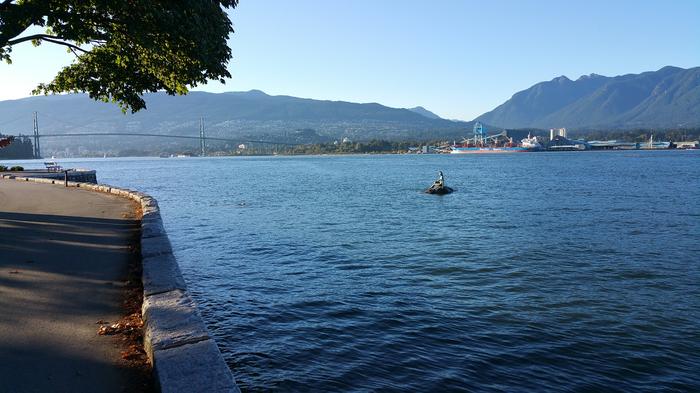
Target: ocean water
x,y
543,272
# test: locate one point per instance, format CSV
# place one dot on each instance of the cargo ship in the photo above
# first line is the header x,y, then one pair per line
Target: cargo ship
x,y
485,149
499,143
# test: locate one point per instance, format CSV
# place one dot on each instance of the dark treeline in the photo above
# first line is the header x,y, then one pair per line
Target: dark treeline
x,y
373,146
20,148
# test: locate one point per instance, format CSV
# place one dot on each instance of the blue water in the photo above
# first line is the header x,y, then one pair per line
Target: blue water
x,y
542,272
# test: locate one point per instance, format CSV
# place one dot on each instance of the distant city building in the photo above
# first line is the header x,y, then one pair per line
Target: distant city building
x,y
557,132
242,146
347,140
559,142
688,145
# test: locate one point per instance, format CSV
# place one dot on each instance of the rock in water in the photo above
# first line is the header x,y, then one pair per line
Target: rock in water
x,y
439,190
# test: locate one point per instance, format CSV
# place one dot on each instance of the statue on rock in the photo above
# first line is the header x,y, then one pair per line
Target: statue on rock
x,y
439,186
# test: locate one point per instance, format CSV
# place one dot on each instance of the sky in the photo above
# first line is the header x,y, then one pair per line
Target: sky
x,y
457,58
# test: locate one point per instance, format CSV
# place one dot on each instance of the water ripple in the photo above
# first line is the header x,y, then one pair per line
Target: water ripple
x,y
544,272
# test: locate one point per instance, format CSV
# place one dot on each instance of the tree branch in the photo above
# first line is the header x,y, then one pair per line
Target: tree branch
x,y
32,37
45,37
71,46
5,4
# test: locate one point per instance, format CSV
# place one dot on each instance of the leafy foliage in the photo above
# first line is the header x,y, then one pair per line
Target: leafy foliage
x,y
19,148
125,48
4,142
15,168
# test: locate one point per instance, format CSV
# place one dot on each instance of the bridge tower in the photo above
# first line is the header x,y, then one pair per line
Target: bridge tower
x,y
202,138
37,146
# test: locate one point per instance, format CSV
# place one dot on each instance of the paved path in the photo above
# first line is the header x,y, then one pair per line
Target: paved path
x,y
64,254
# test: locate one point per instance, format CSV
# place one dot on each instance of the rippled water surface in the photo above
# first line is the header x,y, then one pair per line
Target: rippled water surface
x,y
543,272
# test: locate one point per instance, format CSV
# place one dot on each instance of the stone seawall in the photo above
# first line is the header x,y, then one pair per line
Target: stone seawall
x,y
184,356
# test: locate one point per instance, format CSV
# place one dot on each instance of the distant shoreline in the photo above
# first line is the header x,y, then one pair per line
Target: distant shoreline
x,y
356,154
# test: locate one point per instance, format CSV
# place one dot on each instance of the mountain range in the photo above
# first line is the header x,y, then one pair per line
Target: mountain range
x,y
424,112
667,98
237,115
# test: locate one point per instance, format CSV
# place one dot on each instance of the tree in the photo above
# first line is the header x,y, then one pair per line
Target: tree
x,y
15,148
124,48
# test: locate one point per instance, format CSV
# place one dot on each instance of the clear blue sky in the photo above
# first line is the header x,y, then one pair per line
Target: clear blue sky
x,y
457,58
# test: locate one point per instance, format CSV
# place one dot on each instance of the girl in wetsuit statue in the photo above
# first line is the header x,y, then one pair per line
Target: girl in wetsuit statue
x,y
440,182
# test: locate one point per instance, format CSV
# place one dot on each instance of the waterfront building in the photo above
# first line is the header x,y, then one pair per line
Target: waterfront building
x,y
553,132
688,145
562,143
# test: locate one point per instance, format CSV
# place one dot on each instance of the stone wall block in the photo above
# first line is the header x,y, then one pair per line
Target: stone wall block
x,y
161,274
198,365
171,320
152,227
154,246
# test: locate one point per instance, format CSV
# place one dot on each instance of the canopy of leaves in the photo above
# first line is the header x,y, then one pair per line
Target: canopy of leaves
x,y
125,48
4,142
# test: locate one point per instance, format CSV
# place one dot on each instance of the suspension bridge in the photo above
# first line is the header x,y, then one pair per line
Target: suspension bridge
x,y
202,137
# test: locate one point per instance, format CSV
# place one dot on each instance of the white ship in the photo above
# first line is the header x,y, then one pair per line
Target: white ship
x,y
531,143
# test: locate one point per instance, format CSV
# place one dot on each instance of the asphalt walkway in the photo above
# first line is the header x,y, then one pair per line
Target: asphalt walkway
x,y
64,254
